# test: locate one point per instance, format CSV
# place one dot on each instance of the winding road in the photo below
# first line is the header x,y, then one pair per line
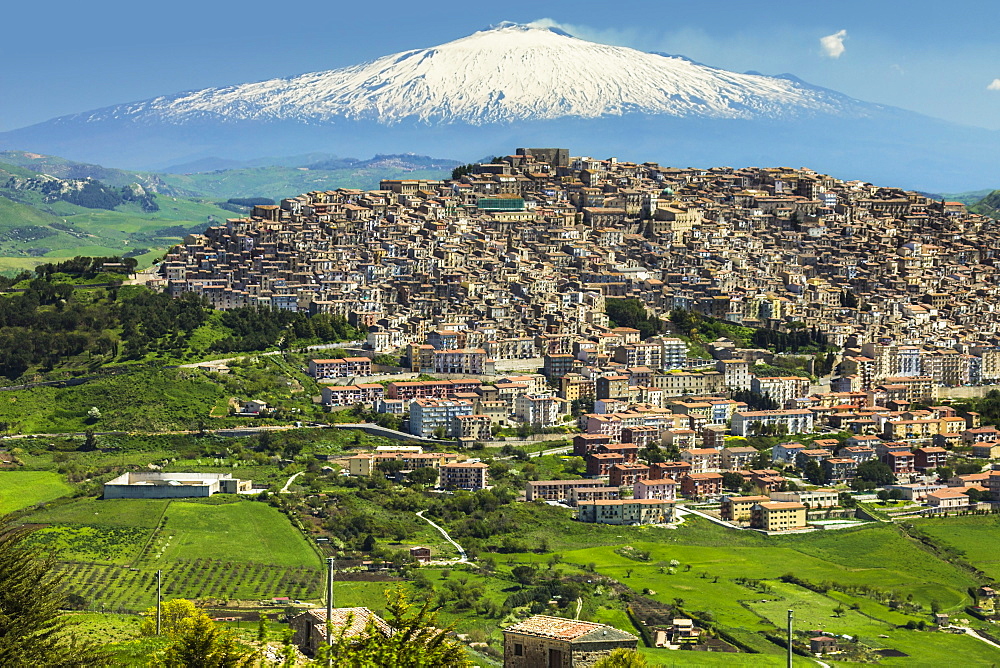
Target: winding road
x,y
461,551
284,490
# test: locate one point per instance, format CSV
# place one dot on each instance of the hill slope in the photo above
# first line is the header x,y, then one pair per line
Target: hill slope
x,y
988,206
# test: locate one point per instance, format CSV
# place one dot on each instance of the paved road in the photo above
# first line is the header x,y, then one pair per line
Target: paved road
x,y
461,551
975,635
225,360
284,490
684,509
222,432
553,451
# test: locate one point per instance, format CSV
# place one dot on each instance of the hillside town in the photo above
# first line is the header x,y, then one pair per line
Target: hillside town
x,y
488,302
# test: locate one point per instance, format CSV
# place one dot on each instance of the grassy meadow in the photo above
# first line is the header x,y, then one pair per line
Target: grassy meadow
x,y
23,489
975,537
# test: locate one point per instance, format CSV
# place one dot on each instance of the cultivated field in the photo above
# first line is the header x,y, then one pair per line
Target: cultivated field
x,y
109,551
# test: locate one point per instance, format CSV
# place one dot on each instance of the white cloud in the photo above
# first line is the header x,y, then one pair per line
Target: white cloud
x,y
994,85
833,45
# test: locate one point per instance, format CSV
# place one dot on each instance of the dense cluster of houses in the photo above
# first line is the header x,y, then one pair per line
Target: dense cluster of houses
x,y
517,258
500,283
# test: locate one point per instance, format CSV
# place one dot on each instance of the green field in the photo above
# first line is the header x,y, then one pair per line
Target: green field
x,y
109,551
23,489
245,531
974,536
875,556
815,612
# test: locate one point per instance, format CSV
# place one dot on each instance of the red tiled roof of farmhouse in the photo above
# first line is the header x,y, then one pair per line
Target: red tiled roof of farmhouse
x,y
352,620
554,627
558,628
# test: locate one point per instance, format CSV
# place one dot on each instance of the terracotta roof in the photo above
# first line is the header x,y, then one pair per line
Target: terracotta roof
x,y
558,628
352,621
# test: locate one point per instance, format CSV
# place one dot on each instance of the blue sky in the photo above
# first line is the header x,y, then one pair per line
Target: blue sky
x,y
59,57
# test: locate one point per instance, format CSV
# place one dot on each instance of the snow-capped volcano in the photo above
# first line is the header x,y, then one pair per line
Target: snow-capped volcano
x,y
505,74
515,85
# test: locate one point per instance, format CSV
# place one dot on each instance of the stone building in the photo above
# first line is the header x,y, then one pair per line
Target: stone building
x,y
553,642
309,628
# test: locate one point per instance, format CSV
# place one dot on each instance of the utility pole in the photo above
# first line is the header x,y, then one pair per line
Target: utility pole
x,y
789,639
158,610
329,611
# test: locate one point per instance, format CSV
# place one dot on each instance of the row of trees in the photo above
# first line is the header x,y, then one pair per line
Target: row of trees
x,y
795,340
84,267
259,327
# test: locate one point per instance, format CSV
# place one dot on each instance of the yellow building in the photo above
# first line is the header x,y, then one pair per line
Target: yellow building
x,y
778,516
738,508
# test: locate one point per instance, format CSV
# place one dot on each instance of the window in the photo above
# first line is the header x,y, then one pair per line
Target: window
x,y
518,649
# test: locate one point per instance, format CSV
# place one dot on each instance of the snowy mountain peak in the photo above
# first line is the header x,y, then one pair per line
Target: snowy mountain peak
x,y
508,73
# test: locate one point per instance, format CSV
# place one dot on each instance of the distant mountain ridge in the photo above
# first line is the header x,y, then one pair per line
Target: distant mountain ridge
x,y
517,85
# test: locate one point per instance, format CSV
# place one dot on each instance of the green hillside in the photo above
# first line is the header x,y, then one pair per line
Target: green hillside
x,y
51,207
34,163
279,182
966,198
44,217
988,205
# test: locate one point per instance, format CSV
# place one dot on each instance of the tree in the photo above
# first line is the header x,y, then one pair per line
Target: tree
x,y
524,575
425,475
262,629
968,467
76,602
732,480
32,630
175,617
622,658
875,472
94,414
89,441
416,641
813,472
202,644
882,495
